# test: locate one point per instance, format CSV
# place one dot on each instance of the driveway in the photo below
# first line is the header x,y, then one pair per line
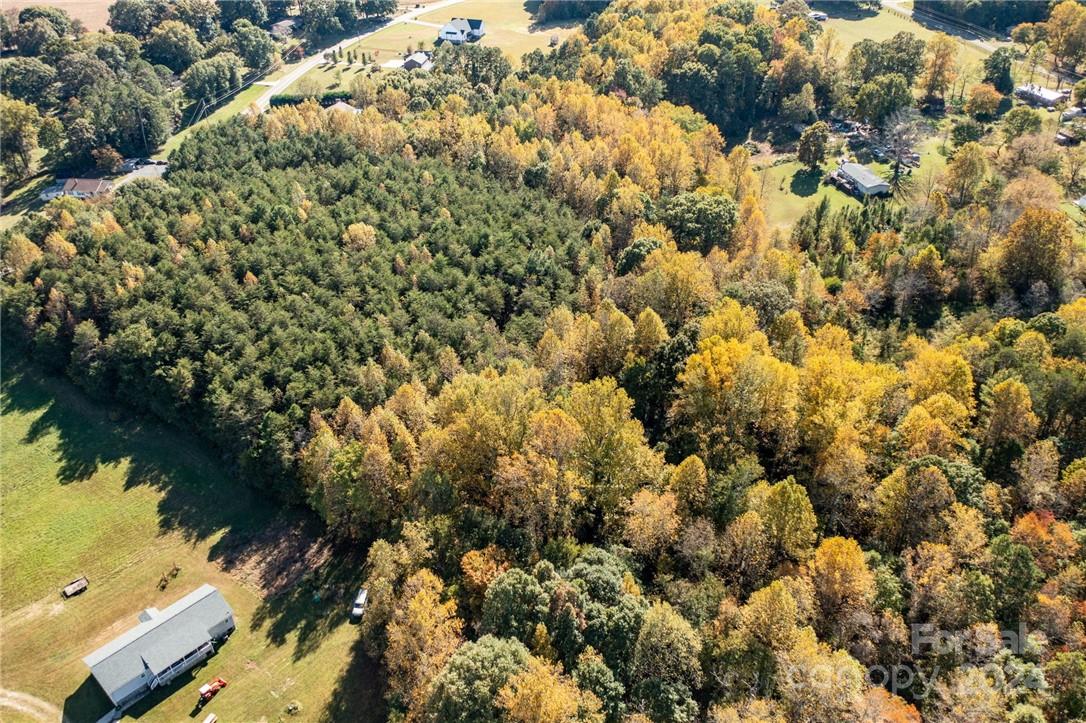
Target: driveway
x,y
281,85
149,171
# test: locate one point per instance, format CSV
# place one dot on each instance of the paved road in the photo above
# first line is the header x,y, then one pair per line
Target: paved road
x,y
317,58
962,31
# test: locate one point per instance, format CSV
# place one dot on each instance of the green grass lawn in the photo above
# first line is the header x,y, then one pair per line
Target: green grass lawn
x,y
509,26
24,198
788,189
852,27
88,491
238,104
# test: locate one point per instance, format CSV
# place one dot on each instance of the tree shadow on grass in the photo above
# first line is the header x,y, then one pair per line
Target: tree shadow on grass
x,y
845,10
359,692
316,602
276,548
805,182
532,7
25,197
199,498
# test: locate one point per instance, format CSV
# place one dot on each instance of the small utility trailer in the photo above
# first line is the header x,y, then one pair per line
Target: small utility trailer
x,y
75,587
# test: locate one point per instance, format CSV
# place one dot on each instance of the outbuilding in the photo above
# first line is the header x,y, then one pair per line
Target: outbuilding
x,y
164,644
864,180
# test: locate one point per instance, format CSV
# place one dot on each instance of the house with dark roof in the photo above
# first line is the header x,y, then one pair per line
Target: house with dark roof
x,y
418,60
164,644
77,188
462,30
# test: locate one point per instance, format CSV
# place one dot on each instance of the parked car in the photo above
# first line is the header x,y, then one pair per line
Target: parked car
x,y
358,609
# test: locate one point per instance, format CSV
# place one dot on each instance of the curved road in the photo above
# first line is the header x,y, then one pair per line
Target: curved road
x,y
317,58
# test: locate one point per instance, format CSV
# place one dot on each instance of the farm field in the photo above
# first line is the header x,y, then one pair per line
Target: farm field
x,y
94,14
88,492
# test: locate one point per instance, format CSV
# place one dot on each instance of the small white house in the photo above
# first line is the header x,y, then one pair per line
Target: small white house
x,y
164,644
864,180
77,188
461,30
1037,95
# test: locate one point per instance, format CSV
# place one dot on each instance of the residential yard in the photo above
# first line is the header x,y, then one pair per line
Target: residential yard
x,y
509,26
24,198
789,189
88,491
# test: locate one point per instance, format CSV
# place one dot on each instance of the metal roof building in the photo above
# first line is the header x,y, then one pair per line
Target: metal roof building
x,y
864,179
165,644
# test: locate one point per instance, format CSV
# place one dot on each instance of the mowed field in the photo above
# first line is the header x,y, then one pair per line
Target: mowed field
x,y
853,26
510,25
87,491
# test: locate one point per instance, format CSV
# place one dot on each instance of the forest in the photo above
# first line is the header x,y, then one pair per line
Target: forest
x,y
615,448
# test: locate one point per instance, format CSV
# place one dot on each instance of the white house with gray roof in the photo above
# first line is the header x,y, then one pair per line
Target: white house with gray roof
x,y
164,644
462,30
865,181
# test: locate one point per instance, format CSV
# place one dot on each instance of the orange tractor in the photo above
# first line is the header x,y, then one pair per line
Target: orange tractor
x,y
208,690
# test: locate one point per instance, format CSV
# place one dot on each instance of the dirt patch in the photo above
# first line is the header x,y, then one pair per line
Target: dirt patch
x,y
276,558
47,607
29,705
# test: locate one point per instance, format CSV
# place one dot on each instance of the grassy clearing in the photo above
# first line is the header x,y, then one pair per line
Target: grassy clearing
x,y
87,491
238,104
789,189
24,198
510,26
853,26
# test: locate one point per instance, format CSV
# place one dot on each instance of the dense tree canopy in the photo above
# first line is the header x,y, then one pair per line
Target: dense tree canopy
x,y
616,446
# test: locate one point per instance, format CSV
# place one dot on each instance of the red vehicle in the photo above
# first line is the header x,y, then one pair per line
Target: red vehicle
x,y
208,690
